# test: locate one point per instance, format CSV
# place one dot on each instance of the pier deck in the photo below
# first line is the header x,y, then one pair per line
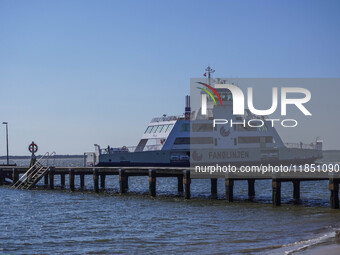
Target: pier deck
x,y
182,174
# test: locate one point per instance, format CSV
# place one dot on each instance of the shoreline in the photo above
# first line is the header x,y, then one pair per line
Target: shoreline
x,y
329,248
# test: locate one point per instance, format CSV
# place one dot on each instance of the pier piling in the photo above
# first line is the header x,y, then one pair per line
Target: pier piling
x,y
51,177
213,187
152,183
126,183
62,181
251,188
296,190
229,190
71,179
46,180
15,175
82,181
122,181
1,177
180,184
333,186
95,180
102,181
186,182
276,192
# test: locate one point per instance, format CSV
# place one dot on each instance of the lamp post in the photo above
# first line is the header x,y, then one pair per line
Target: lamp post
x,y
6,123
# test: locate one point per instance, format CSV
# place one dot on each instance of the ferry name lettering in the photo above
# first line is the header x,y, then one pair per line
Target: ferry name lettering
x,y
228,154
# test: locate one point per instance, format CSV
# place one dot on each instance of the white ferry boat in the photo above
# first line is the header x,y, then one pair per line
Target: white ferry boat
x,y
191,137
164,143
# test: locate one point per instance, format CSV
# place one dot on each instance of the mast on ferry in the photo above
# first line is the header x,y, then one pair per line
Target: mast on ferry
x,y
209,71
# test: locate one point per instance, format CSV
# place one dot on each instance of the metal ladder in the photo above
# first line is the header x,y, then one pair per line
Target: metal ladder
x,y
34,174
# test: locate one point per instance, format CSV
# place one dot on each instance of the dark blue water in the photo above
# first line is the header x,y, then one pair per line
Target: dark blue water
x,y
63,222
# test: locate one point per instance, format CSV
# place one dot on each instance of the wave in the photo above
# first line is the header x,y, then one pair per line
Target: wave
x,y
325,238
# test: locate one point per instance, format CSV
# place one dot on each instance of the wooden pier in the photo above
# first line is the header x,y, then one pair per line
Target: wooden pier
x,y
184,181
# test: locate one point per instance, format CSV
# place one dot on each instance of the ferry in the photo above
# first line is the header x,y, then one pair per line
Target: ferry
x,y
177,141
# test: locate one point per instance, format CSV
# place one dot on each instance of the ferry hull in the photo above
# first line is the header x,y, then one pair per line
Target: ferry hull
x,y
245,157
187,164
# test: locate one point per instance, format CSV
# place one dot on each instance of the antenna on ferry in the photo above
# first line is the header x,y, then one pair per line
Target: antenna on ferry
x,y
209,71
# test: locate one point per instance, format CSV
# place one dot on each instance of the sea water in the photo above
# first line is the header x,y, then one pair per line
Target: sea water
x,y
62,222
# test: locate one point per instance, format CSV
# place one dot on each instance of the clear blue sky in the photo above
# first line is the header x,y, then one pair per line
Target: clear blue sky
x,y
75,73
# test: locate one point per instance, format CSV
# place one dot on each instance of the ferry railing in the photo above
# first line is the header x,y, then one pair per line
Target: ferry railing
x,y
310,146
130,149
118,149
153,147
167,118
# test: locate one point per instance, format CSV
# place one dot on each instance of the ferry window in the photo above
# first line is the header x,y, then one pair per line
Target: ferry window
x,y
202,127
148,129
185,127
153,129
165,128
250,139
201,140
182,140
269,139
235,141
159,129
169,128
156,129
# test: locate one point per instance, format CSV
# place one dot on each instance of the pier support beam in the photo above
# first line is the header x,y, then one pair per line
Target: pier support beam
x,y
126,183
102,181
95,180
62,181
2,179
333,186
186,182
229,190
71,178
251,188
82,181
15,175
213,187
296,190
152,183
276,192
180,184
51,177
46,181
122,181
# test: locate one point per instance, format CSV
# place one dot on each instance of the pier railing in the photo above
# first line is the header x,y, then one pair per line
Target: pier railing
x,y
35,172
